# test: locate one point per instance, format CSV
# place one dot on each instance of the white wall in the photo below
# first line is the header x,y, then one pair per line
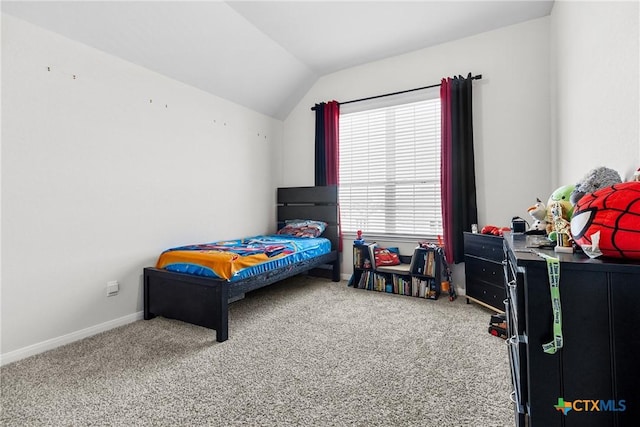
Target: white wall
x,y
595,71
102,172
96,180
511,113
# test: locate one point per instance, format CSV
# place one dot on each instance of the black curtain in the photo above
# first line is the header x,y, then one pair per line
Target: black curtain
x,y
320,157
463,178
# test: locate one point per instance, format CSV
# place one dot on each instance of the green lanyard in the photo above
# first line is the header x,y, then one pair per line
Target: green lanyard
x,y
553,268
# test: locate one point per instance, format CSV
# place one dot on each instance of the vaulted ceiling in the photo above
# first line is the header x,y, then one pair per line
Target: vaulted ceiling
x,y
265,55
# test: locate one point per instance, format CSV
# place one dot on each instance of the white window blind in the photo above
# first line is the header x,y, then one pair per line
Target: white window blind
x,y
390,170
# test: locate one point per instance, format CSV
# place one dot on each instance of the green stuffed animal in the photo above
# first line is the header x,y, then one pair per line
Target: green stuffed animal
x,y
561,196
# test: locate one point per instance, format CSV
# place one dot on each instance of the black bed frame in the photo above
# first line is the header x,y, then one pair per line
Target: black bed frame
x,y
204,301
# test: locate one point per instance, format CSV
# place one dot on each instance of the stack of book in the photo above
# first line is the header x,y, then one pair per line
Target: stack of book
x,y
423,262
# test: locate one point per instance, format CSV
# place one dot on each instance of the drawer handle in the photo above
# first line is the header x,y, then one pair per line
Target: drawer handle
x,y
512,340
504,262
512,284
512,397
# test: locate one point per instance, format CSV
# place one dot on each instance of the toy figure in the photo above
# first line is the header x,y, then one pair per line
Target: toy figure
x,y
560,195
538,212
359,240
562,228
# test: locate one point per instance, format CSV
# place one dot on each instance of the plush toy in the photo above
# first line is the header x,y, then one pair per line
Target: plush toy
x,y
636,176
607,222
594,180
492,229
538,212
560,195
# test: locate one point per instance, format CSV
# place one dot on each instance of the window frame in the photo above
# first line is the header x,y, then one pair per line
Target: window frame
x,y
430,95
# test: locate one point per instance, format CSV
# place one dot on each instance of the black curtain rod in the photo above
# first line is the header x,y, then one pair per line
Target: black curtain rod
x,y
478,77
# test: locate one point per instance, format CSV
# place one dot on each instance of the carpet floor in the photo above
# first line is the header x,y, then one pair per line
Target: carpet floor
x,y
303,352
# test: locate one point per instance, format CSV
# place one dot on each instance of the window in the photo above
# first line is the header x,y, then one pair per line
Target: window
x,y
390,170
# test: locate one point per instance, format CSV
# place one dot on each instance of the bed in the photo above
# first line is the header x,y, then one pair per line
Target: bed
x,y
203,300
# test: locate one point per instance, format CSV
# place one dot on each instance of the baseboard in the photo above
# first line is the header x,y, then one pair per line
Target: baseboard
x,y
43,346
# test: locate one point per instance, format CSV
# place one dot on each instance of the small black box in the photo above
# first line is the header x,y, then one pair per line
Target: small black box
x,y
518,225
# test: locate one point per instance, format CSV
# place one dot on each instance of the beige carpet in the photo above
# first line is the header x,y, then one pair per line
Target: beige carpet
x,y
304,352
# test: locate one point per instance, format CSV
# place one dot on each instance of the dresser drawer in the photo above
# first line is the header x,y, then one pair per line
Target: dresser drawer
x,y
485,292
484,246
486,271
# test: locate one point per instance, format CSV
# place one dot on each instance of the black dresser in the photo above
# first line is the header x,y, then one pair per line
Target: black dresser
x,y
483,256
594,379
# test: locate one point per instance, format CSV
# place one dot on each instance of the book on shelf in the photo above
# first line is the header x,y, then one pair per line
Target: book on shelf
x,y
372,254
430,264
422,291
432,292
380,282
420,287
419,261
407,287
363,252
415,286
423,262
365,277
426,263
400,284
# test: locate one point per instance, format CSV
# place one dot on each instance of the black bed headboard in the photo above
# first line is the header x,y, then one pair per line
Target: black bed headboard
x,y
319,203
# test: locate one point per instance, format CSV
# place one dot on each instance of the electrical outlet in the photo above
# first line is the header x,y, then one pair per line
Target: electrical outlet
x,y
113,287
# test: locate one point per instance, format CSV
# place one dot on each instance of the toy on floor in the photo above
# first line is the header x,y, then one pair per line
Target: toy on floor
x,y
447,278
498,325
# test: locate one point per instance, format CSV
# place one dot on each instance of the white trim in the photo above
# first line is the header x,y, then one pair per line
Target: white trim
x,y
50,344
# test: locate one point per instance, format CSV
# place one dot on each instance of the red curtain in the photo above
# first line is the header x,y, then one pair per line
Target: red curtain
x,y
327,152
331,141
445,167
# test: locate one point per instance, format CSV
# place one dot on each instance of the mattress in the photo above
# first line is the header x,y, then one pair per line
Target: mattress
x,y
234,260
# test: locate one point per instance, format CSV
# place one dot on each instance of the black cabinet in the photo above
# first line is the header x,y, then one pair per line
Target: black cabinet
x,y
594,376
483,255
